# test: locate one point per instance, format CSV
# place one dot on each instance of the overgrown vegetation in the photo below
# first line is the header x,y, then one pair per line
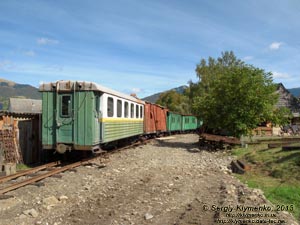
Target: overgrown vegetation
x,y
3,103
234,96
175,102
274,171
230,96
22,166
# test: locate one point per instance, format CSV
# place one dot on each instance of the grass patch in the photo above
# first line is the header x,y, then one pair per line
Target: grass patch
x,y
22,166
275,172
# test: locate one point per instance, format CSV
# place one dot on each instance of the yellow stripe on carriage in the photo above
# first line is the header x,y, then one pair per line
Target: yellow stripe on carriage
x,y
120,120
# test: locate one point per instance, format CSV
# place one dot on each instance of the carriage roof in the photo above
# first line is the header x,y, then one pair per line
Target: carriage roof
x,y
83,86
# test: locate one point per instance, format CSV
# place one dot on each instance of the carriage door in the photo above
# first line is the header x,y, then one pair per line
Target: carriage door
x,y
64,119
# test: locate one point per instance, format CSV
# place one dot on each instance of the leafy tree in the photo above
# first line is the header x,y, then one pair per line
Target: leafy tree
x,y
281,116
4,103
233,96
175,102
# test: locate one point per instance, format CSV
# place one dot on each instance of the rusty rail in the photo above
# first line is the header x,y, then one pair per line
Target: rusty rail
x,y
217,142
41,177
62,169
218,138
29,171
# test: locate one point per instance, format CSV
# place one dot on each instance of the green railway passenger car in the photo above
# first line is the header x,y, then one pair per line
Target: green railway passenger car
x,y
174,122
189,123
84,115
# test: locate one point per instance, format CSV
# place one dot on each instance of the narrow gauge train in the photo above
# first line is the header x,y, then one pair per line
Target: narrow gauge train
x,y
79,115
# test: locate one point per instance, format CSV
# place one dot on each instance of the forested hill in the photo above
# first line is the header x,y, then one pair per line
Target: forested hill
x,y
295,92
153,98
10,89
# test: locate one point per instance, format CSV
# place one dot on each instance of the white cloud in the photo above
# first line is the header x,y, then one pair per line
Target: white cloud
x,y
47,41
6,65
136,90
247,58
29,53
281,75
275,45
54,67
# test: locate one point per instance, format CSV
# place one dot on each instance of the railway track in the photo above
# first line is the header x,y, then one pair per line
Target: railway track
x,y
54,170
28,171
38,177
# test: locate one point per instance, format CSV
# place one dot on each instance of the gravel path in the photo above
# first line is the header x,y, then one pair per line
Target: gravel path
x,y
168,181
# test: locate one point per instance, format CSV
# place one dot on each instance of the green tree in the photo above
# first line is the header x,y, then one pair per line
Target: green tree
x,y
175,102
233,96
4,102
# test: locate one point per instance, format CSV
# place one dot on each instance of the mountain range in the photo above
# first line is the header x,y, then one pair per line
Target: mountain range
x,y
153,98
295,92
10,89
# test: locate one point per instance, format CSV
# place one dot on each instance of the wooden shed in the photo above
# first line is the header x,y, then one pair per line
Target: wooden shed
x,y
286,99
20,128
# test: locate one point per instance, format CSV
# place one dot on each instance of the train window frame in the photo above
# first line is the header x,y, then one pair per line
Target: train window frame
x,y
137,111
119,108
131,110
141,112
126,109
110,106
97,103
66,106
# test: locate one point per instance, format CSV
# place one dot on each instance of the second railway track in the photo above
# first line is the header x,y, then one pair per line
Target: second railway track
x,y
39,177
28,171
53,171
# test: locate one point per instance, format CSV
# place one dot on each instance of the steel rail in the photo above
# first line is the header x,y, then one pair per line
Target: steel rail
x,y
41,177
28,171
62,169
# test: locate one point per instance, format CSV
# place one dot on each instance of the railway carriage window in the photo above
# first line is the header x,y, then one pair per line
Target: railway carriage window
x,y
131,110
66,106
119,108
136,111
97,105
110,107
126,110
141,111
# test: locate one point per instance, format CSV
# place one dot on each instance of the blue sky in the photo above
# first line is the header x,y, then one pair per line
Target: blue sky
x,y
144,46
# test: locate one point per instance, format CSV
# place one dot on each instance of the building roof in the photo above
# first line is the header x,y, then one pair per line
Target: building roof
x,y
29,106
286,99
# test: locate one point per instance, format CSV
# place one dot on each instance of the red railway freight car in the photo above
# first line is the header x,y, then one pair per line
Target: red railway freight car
x,y
155,120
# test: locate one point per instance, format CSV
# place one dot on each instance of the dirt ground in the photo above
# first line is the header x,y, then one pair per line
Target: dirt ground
x,y
169,181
